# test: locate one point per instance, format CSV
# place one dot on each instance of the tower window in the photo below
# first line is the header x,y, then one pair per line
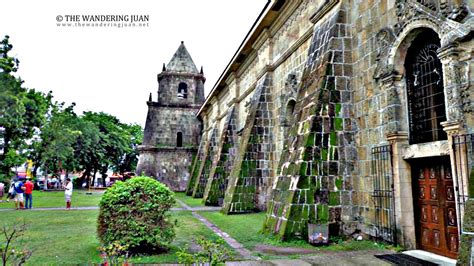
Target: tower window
x,y
179,139
424,78
182,90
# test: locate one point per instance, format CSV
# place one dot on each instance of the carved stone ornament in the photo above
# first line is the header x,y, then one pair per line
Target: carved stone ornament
x,y
453,20
384,40
407,10
457,85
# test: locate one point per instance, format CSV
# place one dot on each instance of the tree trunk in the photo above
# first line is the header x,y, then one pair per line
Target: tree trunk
x,y
5,169
35,171
93,178
104,174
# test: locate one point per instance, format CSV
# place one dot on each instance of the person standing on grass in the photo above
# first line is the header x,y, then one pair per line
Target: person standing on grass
x,y
29,193
19,188
68,193
2,188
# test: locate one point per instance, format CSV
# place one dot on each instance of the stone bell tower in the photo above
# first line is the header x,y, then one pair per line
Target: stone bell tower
x,y
172,130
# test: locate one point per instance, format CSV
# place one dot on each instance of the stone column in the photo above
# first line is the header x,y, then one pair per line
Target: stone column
x,y
403,196
453,128
454,79
393,112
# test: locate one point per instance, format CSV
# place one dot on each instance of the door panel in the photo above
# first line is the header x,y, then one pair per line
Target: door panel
x,y
435,208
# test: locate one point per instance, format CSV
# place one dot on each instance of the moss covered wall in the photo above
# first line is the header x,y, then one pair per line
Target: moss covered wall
x,y
206,163
319,156
196,167
226,152
251,177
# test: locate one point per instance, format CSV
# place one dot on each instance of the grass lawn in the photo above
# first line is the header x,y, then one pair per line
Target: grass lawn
x,y
56,199
58,237
190,201
246,229
69,237
189,229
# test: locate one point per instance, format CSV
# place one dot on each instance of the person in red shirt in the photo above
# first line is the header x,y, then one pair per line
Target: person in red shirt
x,y
29,193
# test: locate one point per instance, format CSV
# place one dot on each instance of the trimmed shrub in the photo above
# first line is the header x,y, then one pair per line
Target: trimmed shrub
x,y
135,214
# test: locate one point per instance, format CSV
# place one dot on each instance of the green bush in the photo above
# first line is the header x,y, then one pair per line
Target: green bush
x,y
135,214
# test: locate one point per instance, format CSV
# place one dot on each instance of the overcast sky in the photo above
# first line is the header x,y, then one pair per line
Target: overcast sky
x,y
114,69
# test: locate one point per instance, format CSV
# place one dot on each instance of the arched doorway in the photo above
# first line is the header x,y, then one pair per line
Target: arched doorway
x,y
434,206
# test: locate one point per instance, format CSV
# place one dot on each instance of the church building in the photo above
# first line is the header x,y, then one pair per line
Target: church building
x,y
339,117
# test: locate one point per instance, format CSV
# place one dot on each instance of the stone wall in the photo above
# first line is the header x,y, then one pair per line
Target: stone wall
x,y
251,176
382,32
335,73
318,160
169,84
206,163
163,124
168,165
226,153
196,166
280,52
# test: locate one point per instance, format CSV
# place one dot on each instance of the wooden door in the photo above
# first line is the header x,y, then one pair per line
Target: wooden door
x,y
435,208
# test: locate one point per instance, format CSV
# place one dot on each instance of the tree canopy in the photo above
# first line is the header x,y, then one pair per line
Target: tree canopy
x,y
34,126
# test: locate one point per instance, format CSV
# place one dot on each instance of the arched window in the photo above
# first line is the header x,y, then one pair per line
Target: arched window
x,y
179,139
290,109
182,90
424,78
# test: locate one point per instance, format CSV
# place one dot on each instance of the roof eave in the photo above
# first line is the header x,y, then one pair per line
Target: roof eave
x,y
246,46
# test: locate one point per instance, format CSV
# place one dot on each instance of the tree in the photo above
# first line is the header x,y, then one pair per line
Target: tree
x,y
55,138
22,112
9,248
129,160
54,148
110,145
7,64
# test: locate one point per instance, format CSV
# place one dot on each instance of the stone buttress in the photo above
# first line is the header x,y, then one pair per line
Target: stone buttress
x,y
196,166
312,191
226,152
205,165
251,176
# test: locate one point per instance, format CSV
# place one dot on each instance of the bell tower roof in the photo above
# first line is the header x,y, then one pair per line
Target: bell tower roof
x,y
182,62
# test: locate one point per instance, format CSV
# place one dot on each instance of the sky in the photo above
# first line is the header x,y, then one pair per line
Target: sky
x,y
114,69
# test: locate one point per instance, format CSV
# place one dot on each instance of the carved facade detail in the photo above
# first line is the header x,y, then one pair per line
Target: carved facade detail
x,y
384,41
456,75
408,9
445,16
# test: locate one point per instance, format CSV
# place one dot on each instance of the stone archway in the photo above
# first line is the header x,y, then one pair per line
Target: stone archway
x,y
392,43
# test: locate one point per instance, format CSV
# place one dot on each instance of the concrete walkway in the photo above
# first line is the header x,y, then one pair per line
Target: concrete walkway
x,y
363,257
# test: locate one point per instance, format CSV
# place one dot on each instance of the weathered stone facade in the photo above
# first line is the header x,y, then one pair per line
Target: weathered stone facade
x,y
226,153
172,131
350,117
